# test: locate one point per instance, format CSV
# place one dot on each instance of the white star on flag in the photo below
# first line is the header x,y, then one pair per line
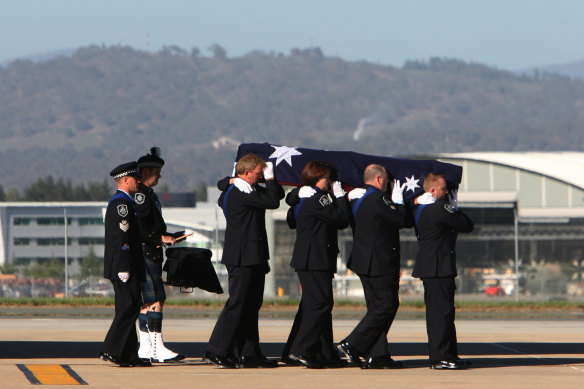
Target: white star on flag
x,y
284,153
412,183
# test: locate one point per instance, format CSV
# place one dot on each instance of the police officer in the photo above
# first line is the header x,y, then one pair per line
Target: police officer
x,y
377,218
153,235
124,266
437,221
316,216
245,254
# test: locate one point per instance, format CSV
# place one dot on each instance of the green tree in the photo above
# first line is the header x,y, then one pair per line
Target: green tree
x,y
52,268
201,191
91,265
8,268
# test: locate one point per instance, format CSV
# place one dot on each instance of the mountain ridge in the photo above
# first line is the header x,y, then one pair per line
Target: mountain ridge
x,y
77,116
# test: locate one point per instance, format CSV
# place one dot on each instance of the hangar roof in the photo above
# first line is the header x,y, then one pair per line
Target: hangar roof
x,y
564,166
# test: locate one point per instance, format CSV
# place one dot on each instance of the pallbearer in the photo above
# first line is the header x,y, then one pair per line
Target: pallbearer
x,y
377,218
245,254
438,222
316,216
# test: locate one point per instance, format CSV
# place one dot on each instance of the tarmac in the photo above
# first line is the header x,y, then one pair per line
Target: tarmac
x,y
61,352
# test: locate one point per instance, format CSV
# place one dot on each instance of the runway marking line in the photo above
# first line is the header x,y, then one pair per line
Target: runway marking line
x,y
51,375
535,356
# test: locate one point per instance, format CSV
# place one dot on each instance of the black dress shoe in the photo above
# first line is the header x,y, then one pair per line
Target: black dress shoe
x,y
457,364
221,362
289,361
309,362
255,361
382,362
139,363
350,353
335,363
108,358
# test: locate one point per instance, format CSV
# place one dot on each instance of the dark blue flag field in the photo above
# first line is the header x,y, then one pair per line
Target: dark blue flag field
x,y
289,162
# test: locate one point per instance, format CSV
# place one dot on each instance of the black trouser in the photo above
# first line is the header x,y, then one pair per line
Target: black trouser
x,y
381,295
439,299
237,324
314,333
327,351
121,340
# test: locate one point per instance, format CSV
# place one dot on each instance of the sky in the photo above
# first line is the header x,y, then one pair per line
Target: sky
x,y
507,34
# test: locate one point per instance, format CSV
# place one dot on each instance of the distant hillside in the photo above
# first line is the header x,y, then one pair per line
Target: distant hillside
x,y
571,69
76,117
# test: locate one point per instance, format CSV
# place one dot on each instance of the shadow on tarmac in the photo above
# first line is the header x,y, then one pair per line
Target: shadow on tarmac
x,y
520,354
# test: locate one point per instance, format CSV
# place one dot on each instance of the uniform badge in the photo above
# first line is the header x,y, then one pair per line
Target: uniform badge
x,y
325,200
124,225
139,198
449,208
125,247
386,199
123,210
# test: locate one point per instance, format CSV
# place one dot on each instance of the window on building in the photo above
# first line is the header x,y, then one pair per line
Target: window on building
x,y
21,221
52,221
52,241
21,241
91,241
90,221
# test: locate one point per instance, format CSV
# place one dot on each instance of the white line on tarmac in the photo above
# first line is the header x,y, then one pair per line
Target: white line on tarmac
x,y
535,356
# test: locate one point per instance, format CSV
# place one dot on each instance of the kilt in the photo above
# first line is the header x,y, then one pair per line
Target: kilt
x,y
153,288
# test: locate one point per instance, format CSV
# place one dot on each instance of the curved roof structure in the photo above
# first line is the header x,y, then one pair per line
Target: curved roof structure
x,y
566,166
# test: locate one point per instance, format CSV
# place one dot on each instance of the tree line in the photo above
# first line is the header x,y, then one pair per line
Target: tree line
x,y
60,189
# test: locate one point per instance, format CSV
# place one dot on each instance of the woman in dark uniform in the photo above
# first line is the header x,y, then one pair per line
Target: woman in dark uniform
x,y
316,216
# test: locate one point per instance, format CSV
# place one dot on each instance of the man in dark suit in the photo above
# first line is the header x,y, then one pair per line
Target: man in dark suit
x,y
437,221
124,266
245,254
154,236
377,218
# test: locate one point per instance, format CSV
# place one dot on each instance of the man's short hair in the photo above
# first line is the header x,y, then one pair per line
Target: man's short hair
x,y
372,171
315,170
431,180
249,162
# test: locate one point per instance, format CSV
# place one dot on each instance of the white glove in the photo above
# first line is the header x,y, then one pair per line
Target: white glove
x,y
338,189
356,193
306,191
269,171
426,198
124,276
453,198
397,193
242,185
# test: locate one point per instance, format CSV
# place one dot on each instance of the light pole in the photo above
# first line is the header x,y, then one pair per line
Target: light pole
x,y
66,256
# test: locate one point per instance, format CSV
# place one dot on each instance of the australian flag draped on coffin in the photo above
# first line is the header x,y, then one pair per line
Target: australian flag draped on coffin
x,y
289,162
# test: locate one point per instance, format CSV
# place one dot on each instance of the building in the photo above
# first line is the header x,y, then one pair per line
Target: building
x,y
35,232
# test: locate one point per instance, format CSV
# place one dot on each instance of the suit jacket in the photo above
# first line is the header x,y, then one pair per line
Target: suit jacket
x,y
319,217
152,225
376,249
437,229
122,249
246,241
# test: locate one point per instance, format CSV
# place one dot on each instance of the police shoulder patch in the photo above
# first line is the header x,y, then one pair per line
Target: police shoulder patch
x,y
325,200
139,198
386,199
123,210
449,208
